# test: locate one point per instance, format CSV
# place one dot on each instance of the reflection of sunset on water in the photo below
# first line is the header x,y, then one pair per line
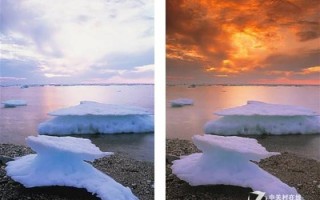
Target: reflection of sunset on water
x,y
187,121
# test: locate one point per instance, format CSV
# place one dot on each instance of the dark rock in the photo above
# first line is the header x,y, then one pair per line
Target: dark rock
x,y
4,159
170,158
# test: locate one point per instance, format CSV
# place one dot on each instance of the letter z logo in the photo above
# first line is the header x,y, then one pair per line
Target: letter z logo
x,y
259,195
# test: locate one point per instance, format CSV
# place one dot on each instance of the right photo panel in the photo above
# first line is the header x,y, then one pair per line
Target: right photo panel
x,y
243,99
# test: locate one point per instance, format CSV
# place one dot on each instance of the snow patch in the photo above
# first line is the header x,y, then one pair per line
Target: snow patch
x,y
262,118
60,162
181,102
97,118
14,103
226,161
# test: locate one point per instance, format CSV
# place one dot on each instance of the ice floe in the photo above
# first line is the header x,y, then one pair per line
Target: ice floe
x,y
257,108
263,118
24,86
227,161
86,108
98,118
181,102
14,103
61,161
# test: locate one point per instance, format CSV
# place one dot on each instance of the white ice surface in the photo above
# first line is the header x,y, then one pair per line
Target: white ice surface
x,y
81,148
64,125
97,118
240,146
255,125
265,109
100,109
59,162
181,102
14,102
225,161
261,118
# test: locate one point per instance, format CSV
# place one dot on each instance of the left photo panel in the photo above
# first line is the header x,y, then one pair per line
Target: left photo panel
x,y
77,99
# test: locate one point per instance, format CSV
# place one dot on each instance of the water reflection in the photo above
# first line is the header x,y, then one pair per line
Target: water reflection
x,y
187,121
303,145
139,146
18,123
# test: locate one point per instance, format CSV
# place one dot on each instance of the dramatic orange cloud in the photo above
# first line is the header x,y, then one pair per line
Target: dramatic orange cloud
x,y
246,39
315,69
286,81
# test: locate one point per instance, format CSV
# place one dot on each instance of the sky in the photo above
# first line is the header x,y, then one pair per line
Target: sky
x,y
243,41
76,41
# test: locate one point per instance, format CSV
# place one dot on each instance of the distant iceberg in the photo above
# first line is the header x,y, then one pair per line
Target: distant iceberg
x,y
226,160
97,118
14,103
263,118
181,102
24,86
61,161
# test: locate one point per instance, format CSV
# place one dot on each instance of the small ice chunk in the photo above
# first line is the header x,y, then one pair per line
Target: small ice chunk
x,y
60,161
226,161
181,102
24,86
14,103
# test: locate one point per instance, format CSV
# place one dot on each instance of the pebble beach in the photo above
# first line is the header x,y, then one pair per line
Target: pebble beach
x,y
135,174
296,171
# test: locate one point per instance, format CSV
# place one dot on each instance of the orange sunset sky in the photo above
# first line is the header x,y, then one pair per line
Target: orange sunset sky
x,y
243,41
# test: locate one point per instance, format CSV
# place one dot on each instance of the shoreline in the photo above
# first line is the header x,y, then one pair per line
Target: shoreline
x,y
137,175
296,171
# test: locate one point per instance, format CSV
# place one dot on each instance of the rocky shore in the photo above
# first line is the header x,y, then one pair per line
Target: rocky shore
x,y
299,172
137,175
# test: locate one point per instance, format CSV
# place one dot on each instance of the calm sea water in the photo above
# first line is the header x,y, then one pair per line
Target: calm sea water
x,y
187,121
18,123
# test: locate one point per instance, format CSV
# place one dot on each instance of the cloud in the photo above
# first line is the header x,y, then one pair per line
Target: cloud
x,y
55,75
138,74
145,68
307,35
310,70
287,81
292,61
237,37
9,79
68,37
143,73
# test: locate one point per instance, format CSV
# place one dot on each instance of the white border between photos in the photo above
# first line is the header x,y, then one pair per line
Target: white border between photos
x,y
160,93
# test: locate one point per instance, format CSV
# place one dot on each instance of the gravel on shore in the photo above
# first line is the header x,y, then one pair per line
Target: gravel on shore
x,y
137,175
298,172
